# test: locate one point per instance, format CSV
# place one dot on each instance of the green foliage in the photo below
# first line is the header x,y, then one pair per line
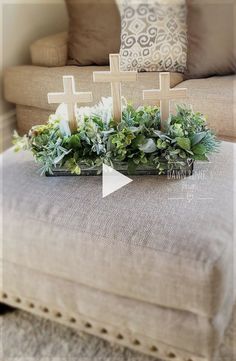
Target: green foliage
x,y
184,143
137,140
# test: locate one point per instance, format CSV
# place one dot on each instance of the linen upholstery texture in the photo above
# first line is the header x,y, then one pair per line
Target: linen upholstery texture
x,y
153,35
214,97
27,86
211,38
27,117
172,264
94,31
50,51
140,243
199,335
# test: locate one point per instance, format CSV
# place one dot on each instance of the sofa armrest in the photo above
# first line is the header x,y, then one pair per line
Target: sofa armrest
x,y
50,51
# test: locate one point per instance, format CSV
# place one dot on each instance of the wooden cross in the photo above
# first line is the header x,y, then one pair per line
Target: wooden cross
x,y
165,94
70,97
115,76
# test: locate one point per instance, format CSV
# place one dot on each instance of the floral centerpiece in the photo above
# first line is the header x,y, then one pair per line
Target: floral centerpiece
x,y
134,144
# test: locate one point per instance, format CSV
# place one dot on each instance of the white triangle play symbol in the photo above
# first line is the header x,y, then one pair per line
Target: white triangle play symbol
x,y
112,180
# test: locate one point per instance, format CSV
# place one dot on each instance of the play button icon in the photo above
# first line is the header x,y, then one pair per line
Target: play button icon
x,y
112,180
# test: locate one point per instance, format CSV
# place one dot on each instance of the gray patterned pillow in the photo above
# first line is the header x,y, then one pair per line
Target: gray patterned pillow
x,y
154,35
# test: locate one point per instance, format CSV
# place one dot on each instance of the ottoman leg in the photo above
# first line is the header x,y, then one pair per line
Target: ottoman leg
x,y
5,309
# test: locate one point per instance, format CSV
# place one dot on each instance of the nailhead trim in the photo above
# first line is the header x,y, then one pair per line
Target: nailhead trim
x,y
171,355
72,320
58,314
104,331
154,349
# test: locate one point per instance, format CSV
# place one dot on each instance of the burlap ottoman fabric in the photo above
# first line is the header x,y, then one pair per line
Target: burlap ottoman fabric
x,y
118,315
161,243
146,242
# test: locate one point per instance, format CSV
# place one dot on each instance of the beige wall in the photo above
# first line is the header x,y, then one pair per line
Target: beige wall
x,y
22,22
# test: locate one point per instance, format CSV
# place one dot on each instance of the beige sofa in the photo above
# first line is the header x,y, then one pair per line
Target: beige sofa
x,y
27,86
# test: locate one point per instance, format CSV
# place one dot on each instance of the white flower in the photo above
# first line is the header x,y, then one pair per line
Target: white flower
x,y
82,112
102,110
53,118
62,116
141,107
124,103
61,112
64,128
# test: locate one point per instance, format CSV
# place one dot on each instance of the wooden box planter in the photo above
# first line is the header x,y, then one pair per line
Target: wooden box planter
x,y
175,173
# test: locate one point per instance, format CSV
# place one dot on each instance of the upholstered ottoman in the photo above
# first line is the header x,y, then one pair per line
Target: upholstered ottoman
x,y
149,267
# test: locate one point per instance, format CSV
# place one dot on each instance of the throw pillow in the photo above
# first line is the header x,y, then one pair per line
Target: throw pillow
x,y
153,35
94,31
211,32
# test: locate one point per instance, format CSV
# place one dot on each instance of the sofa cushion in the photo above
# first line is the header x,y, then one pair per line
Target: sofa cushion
x,y
27,117
50,51
216,98
158,240
29,85
211,38
94,31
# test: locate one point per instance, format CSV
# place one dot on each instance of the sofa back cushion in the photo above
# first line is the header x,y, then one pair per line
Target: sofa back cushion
x,y
211,28
94,31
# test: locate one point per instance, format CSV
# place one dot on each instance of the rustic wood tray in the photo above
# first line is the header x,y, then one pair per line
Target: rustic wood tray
x,y
122,168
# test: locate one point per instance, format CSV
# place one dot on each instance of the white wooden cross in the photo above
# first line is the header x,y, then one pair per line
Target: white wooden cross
x,y
70,98
165,94
115,76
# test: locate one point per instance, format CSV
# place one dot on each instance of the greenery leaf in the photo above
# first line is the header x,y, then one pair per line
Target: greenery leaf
x,y
135,141
72,166
148,146
184,143
131,166
201,157
196,138
161,135
74,141
199,149
139,140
